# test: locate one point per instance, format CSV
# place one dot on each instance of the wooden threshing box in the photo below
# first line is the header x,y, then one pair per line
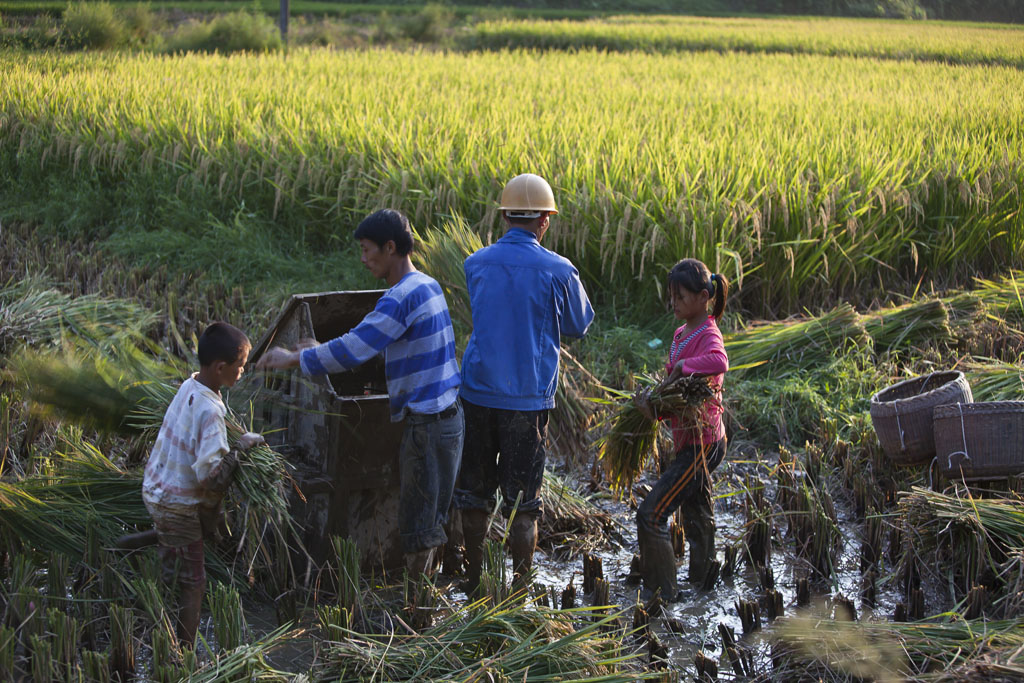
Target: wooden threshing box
x,y
338,433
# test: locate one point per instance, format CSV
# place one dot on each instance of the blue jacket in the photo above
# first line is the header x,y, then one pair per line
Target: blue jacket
x,y
523,298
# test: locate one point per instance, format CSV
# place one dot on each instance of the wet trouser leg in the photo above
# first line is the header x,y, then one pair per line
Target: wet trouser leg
x,y
503,448
180,532
685,483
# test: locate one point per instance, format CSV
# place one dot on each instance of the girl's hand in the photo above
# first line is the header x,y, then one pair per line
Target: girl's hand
x,y
642,401
676,373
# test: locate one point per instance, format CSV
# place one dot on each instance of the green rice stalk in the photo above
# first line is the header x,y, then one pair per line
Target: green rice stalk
x,y
167,667
494,580
33,314
229,627
8,646
1004,297
122,640
54,512
973,534
96,666
513,640
349,591
246,662
911,325
789,345
333,620
625,449
994,380
66,631
43,665
149,595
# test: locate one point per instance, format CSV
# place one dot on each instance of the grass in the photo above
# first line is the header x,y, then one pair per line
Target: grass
x,y
795,175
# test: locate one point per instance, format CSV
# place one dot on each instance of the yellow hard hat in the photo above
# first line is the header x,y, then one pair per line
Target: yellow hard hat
x,y
528,194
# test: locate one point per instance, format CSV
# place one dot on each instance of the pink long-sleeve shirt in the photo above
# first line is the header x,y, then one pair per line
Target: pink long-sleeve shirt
x,y
704,354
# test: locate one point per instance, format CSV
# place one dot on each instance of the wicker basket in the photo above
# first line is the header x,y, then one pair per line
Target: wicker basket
x,y
902,414
980,440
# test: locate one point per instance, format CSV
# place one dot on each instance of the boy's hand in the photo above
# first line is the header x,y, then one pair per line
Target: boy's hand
x,y
278,358
249,439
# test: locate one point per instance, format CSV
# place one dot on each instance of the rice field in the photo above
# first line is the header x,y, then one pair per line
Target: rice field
x,y
803,178
858,181
950,43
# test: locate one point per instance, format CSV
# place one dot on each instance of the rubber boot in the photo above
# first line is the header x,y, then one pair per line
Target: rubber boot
x,y
419,563
419,600
657,564
522,539
474,531
699,525
453,557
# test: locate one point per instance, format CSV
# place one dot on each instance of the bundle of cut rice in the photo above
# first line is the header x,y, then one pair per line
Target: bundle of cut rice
x,y
625,448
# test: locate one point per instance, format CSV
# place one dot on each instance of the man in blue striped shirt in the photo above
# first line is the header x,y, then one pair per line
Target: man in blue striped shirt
x,y
411,326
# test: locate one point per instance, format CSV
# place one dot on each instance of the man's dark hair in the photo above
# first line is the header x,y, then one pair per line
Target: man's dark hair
x,y
384,225
221,341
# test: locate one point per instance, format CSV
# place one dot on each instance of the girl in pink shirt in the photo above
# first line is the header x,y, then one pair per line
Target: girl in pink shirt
x,y
697,349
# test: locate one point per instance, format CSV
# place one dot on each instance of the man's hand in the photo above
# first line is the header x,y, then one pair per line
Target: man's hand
x,y
278,358
249,439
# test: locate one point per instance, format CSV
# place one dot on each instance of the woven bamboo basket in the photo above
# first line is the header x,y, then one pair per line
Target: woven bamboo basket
x,y
902,414
980,440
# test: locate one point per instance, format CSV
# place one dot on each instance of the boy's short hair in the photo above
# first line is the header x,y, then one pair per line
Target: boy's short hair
x,y
384,225
221,341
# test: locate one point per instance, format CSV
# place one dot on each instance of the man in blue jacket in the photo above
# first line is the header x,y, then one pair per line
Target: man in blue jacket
x,y
523,298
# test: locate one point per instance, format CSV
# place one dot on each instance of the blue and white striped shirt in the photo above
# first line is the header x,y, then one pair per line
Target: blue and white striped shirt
x,y
410,323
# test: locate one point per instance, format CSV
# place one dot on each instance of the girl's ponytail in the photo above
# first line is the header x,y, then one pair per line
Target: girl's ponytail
x,y
720,290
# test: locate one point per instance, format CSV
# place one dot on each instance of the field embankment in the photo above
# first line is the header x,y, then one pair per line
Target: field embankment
x,y
804,179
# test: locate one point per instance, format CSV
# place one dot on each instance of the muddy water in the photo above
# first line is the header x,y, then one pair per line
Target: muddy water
x,y
700,612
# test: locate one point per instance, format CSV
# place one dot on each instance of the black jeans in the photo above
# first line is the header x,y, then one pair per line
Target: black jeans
x,y
503,448
685,483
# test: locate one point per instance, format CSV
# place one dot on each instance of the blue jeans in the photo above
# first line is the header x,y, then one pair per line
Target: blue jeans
x,y
428,460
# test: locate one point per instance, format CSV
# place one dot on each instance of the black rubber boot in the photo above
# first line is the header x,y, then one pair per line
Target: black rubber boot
x,y
474,531
522,539
699,525
657,565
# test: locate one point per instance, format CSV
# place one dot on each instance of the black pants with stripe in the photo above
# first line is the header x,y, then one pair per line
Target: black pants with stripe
x,y
685,484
